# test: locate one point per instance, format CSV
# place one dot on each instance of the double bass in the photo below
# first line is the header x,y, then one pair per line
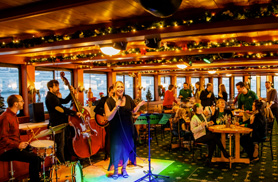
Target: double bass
x,y
88,136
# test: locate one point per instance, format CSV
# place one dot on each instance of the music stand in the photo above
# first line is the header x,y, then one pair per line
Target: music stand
x,y
149,119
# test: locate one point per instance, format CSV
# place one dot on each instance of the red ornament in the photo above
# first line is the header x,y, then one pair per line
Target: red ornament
x,y
184,48
143,51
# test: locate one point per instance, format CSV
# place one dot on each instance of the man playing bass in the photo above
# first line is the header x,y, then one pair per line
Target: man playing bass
x,y
58,114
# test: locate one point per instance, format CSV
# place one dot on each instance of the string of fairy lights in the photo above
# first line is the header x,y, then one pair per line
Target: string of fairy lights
x,y
243,68
256,11
179,59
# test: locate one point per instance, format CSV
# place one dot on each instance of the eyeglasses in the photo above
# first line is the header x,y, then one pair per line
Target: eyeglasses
x,y
21,101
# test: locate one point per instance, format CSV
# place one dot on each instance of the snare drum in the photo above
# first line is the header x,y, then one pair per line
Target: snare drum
x,y
43,148
70,172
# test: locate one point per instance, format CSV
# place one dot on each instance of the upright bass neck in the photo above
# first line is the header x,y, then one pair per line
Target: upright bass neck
x,y
65,80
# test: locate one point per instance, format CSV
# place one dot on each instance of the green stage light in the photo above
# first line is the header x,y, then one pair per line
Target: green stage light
x,y
206,60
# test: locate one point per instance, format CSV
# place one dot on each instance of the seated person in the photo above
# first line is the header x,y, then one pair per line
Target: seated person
x,y
258,123
198,126
221,112
188,109
178,126
11,147
209,111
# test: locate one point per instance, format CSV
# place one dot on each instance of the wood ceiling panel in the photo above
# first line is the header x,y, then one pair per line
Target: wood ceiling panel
x,y
12,3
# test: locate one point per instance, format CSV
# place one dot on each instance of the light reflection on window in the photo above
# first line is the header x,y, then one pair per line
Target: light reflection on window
x,y
215,87
180,81
97,82
128,82
263,89
42,77
226,82
9,82
148,83
237,79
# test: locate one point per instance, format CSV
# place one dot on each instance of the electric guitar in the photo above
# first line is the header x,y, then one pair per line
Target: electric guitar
x,y
101,120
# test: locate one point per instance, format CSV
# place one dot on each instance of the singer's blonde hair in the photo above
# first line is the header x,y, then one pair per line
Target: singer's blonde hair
x,y
117,82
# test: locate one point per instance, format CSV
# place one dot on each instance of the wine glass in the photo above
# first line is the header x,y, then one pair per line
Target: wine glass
x,y
218,121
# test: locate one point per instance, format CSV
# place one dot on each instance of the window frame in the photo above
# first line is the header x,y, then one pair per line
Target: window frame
x,y
54,76
21,112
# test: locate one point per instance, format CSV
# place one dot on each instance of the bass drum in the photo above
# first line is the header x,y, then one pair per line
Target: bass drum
x,y
70,172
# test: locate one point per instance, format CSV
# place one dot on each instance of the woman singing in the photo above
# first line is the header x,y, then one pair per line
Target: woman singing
x,y
118,110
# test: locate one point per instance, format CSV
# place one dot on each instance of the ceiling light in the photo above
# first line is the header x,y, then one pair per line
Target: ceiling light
x,y
113,49
276,73
228,74
109,50
181,66
212,72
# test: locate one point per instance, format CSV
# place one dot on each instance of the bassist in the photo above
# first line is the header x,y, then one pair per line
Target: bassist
x,y
58,114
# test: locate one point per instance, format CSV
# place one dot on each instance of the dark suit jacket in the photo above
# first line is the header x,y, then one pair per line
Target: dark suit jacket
x,y
56,117
207,101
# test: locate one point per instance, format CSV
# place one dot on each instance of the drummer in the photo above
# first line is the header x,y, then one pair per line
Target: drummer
x,y
11,147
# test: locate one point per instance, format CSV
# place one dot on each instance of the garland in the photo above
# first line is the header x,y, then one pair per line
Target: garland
x,y
192,45
178,60
255,11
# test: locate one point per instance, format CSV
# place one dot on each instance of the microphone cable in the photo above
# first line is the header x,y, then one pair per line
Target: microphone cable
x,y
144,160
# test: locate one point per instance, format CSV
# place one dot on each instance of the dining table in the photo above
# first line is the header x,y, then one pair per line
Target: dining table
x,y
231,130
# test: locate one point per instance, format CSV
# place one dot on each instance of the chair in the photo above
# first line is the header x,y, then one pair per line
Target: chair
x,y
270,123
177,137
199,146
12,178
144,133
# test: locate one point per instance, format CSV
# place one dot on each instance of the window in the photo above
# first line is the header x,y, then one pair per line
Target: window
x,y
97,82
41,79
44,76
215,86
254,83
226,82
9,82
128,82
180,81
148,83
263,89
206,82
237,79
275,82
194,80
165,81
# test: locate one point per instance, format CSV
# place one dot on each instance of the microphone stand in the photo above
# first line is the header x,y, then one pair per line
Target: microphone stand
x,y
150,175
53,157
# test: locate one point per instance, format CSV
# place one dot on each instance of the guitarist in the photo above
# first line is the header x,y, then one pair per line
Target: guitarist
x,y
99,109
58,114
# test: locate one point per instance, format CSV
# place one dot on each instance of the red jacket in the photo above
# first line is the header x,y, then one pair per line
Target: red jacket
x,y
169,99
9,131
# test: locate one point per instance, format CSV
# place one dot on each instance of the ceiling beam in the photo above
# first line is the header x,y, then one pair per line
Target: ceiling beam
x,y
261,24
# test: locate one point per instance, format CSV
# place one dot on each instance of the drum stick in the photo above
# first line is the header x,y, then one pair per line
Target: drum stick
x,y
32,137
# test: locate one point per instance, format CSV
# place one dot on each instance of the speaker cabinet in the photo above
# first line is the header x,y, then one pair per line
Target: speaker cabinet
x,y
36,112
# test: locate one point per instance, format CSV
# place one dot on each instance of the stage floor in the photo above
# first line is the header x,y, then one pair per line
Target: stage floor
x,y
98,171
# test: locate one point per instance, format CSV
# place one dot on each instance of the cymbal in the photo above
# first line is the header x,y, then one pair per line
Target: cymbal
x,y
57,129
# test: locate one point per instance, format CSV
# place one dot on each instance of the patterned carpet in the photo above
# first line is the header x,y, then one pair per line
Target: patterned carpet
x,y
185,168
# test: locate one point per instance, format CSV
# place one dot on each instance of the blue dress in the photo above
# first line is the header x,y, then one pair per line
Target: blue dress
x,y
122,133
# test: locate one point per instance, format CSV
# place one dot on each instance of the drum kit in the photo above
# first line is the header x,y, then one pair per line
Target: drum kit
x,y
69,172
